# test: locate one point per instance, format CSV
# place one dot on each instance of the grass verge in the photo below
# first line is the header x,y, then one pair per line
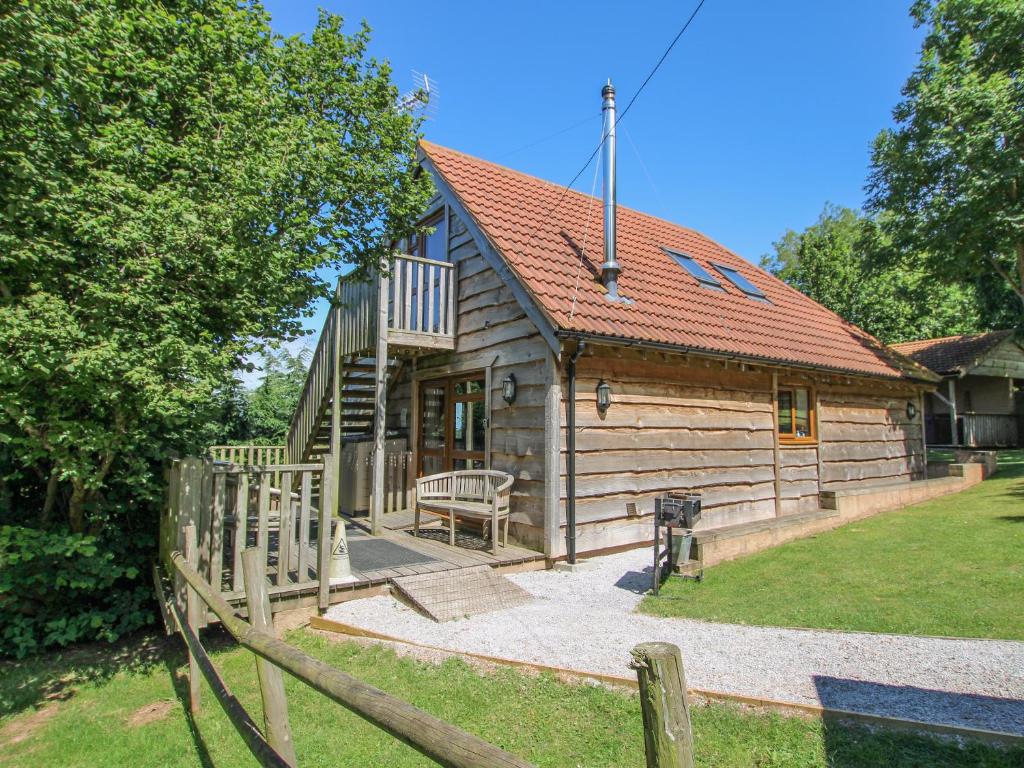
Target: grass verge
x,y
126,707
951,566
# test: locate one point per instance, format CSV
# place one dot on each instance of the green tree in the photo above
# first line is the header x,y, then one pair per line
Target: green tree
x,y
834,262
268,407
951,174
174,176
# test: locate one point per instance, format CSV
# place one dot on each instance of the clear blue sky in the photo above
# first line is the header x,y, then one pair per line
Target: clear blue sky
x,y
762,112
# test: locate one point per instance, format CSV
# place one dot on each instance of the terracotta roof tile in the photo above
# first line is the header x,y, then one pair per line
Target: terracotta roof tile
x,y
951,354
543,245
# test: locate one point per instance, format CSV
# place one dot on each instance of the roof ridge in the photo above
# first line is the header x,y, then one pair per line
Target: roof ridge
x,y
584,195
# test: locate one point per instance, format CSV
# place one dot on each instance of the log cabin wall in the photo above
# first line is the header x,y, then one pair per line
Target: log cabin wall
x,y
492,330
707,426
866,436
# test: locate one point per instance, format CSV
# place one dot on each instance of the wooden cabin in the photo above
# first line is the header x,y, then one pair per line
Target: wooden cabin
x,y
980,403
493,342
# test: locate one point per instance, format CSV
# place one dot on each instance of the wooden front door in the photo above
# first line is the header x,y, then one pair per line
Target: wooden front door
x,y
452,424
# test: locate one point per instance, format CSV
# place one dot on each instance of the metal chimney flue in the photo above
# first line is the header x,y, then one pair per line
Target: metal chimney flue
x,y
610,268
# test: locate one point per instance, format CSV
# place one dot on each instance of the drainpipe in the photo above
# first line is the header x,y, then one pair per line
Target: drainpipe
x,y
570,458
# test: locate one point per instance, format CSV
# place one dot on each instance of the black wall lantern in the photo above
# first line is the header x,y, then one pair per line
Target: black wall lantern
x,y
911,411
604,396
508,388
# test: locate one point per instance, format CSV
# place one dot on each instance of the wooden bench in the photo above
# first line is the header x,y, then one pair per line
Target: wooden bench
x,y
470,494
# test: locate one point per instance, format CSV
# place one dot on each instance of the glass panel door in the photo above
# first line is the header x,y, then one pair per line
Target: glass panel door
x,y
433,399
453,424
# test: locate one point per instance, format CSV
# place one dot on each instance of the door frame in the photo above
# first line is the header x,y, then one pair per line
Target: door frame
x,y
449,454
468,364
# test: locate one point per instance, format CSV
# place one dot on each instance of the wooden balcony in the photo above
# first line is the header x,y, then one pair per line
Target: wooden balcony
x,y
372,322
420,303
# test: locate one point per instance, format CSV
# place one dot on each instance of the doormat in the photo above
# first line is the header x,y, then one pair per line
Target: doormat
x,y
368,554
451,595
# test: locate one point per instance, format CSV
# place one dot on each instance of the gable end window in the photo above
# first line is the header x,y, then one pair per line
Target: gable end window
x,y
696,270
748,288
796,416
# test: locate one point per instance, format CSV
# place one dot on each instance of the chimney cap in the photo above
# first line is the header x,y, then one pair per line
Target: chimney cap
x,y
608,89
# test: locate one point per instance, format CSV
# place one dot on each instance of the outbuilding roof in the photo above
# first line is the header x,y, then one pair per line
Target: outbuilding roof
x,y
952,355
552,241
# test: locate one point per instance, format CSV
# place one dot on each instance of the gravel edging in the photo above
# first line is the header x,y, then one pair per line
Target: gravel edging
x,y
585,621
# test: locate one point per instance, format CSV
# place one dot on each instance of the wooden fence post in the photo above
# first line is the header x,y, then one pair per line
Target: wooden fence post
x,y
193,616
275,706
324,541
668,740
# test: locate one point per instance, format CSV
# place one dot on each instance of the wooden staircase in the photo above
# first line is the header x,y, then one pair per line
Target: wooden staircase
x,y
371,327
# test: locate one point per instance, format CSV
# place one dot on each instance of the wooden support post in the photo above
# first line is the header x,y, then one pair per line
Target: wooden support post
x,y
193,616
338,377
668,739
552,458
952,413
323,536
275,705
380,411
285,532
776,450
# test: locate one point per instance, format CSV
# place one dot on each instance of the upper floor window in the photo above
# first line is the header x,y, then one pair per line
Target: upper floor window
x,y
796,415
748,288
429,245
696,270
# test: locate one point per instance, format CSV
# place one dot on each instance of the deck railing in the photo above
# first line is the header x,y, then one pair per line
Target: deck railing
x,y
421,296
284,510
248,454
989,430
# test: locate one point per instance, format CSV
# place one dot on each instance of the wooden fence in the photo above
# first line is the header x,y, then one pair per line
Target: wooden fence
x,y
283,510
442,742
668,741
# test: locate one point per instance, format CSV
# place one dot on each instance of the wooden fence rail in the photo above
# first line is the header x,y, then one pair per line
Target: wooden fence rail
x,y
281,509
442,742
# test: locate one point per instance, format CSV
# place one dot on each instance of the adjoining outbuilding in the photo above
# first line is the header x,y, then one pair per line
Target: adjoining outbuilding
x,y
980,403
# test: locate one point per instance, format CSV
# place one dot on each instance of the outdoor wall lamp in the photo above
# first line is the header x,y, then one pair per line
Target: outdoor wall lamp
x,y
508,388
604,396
911,411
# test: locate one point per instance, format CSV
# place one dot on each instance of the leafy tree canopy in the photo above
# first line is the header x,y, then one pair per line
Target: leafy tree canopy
x,y
267,409
174,176
834,262
950,176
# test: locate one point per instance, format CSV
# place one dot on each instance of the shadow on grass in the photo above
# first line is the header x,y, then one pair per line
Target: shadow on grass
x,y
53,676
848,744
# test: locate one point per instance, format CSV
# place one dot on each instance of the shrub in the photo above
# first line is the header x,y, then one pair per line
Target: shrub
x,y
58,588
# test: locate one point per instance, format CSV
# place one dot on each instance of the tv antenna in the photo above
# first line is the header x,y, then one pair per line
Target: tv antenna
x,y
422,98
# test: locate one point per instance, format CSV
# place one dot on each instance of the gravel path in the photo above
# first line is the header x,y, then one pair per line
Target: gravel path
x,y
584,621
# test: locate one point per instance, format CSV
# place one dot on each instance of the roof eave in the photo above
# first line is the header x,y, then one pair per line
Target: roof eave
x,y
927,377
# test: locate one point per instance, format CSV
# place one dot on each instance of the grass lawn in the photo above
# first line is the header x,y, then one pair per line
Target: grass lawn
x,y
951,566
103,707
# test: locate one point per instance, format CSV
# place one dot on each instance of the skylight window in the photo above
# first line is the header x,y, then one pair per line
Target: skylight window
x,y
696,270
742,283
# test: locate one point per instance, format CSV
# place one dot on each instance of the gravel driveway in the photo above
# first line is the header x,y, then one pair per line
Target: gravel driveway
x,y
585,621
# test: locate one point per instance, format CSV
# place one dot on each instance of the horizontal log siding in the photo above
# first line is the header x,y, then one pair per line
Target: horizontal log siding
x,y
671,427
866,437
798,477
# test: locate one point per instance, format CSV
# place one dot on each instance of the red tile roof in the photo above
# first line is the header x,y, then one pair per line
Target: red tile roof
x,y
542,240
952,355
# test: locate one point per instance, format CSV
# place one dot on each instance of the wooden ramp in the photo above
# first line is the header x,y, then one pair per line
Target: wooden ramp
x,y
450,595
